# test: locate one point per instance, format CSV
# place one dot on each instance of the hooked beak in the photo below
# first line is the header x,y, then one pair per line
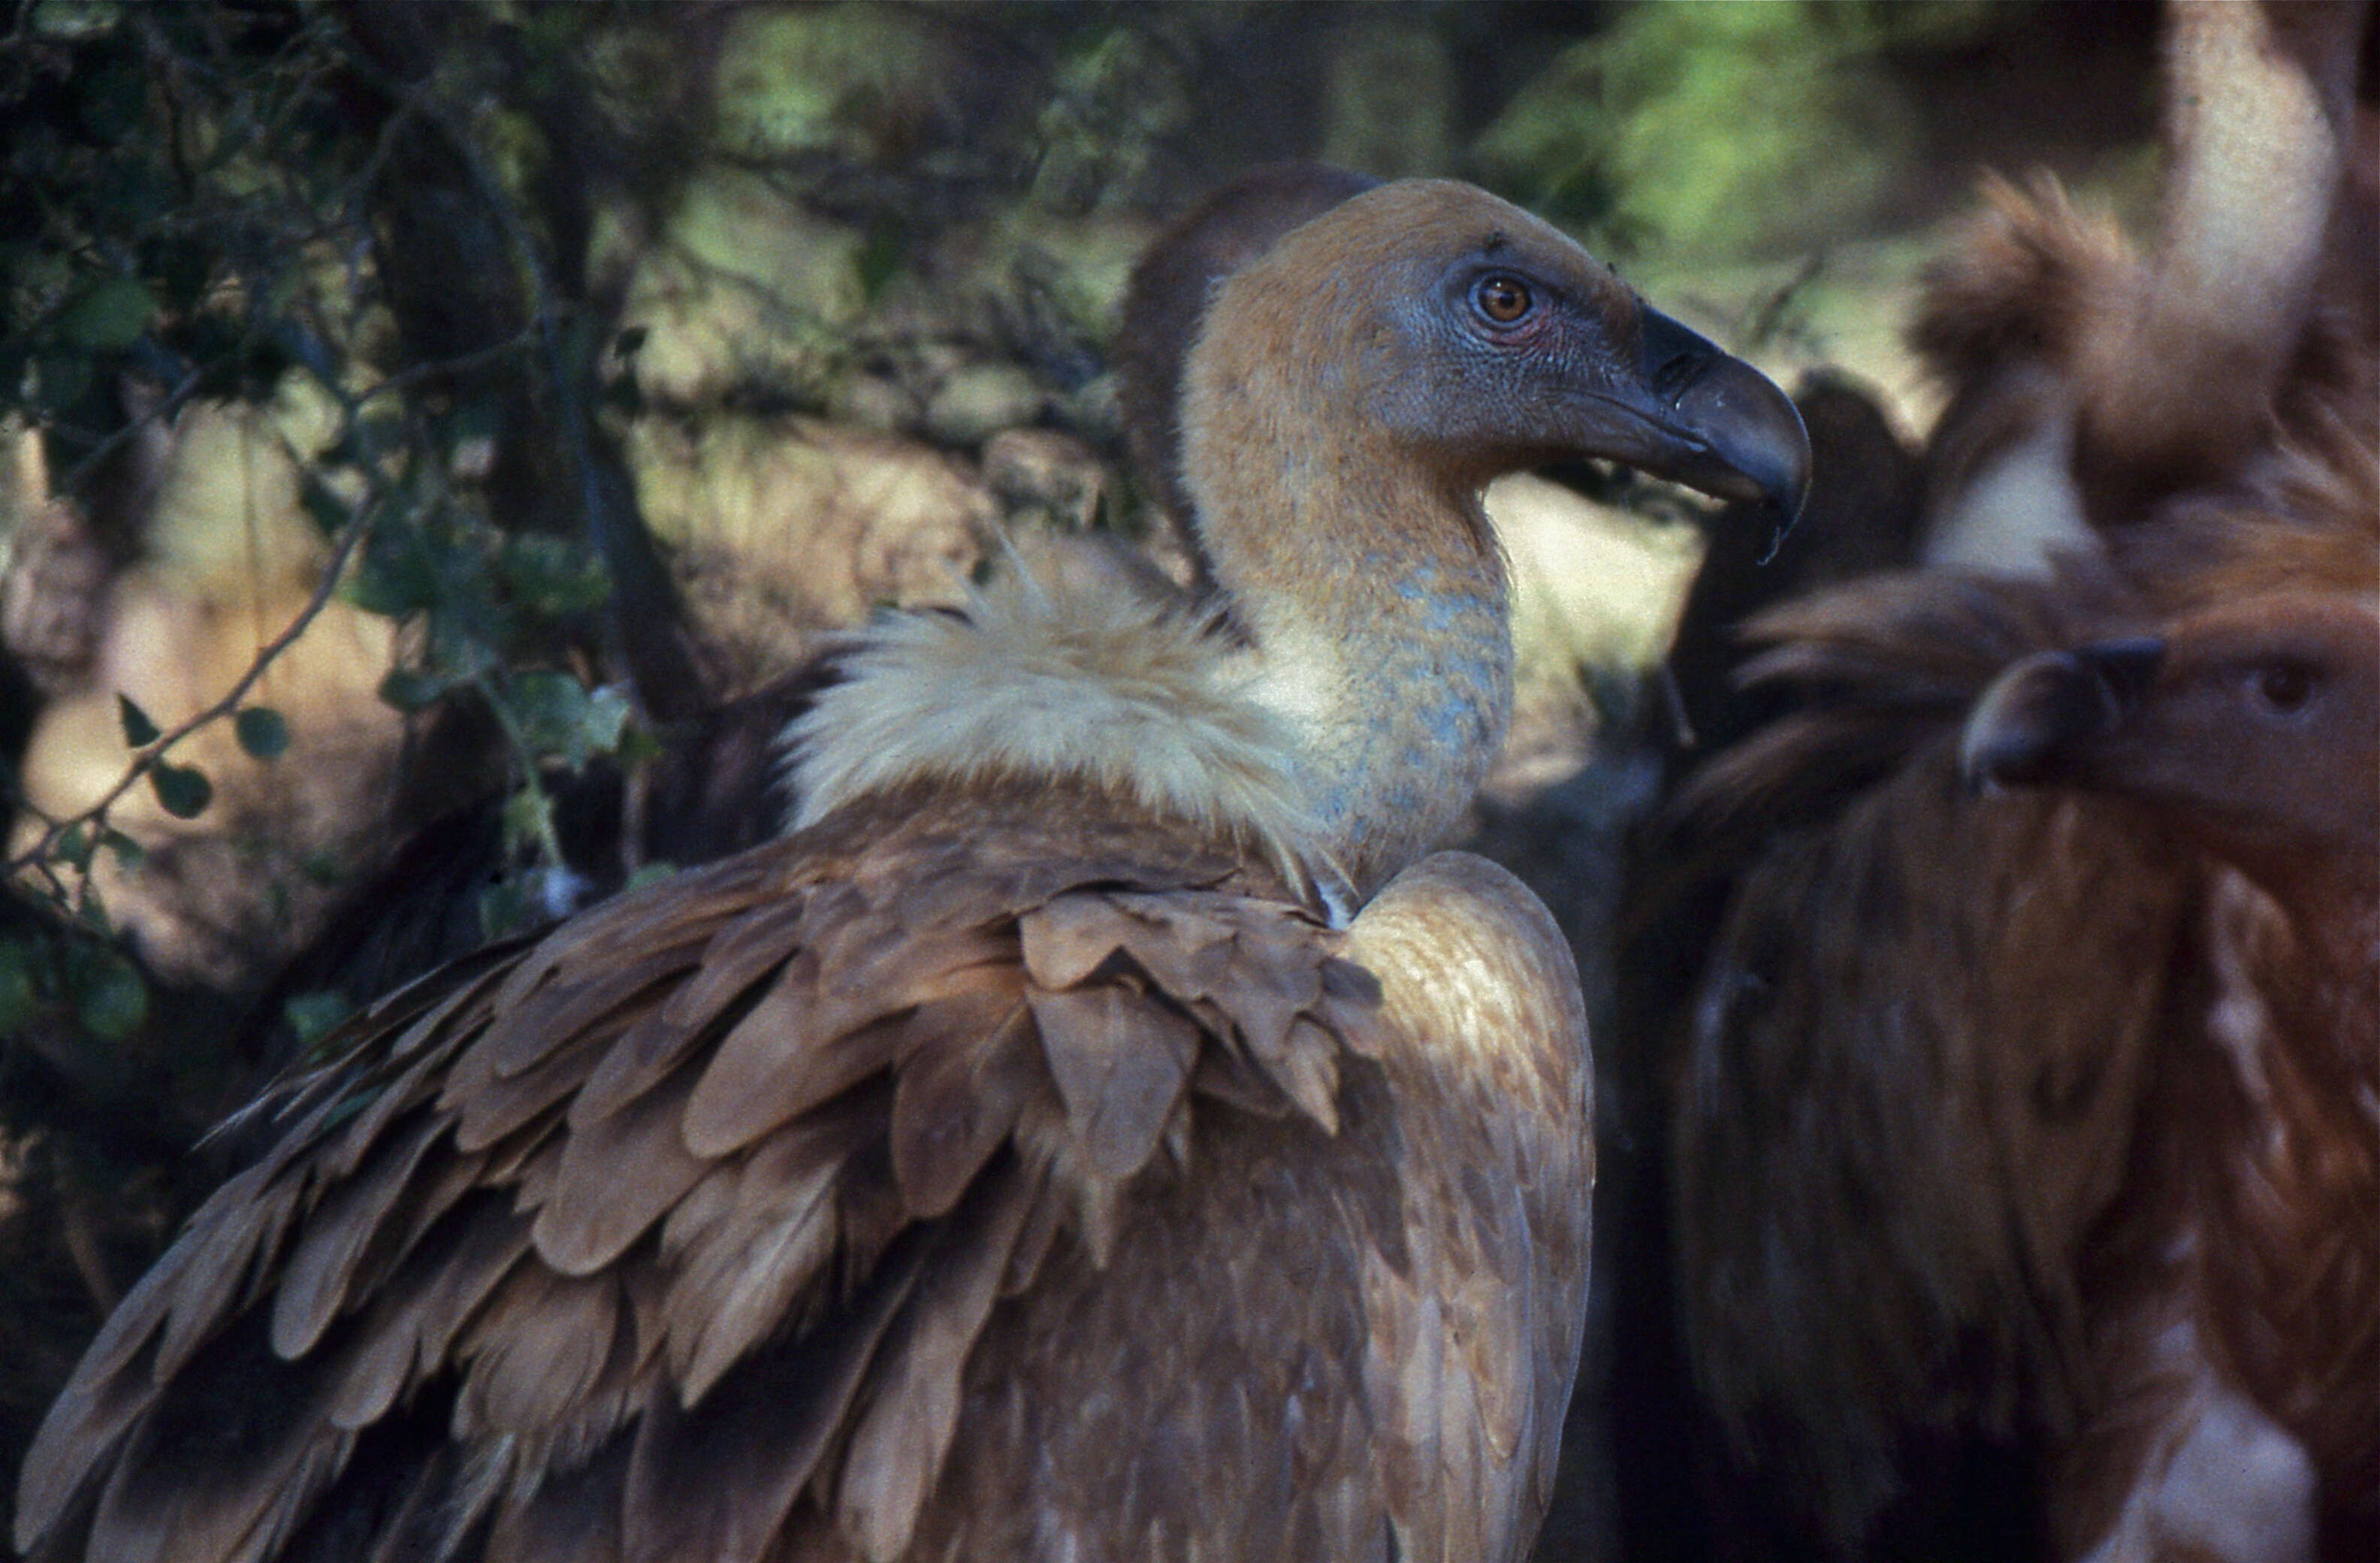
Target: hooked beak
x,y
2031,723
1717,425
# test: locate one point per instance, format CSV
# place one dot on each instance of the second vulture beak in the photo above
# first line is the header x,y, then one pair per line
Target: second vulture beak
x,y
2024,726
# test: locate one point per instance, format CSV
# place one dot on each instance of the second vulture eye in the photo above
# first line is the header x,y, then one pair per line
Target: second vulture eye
x,y
2285,687
1501,298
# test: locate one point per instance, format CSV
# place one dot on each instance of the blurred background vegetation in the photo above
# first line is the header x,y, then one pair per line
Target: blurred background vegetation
x,y
415,407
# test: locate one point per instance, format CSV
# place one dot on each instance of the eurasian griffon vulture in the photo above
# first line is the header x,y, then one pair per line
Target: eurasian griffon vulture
x,y
1099,1131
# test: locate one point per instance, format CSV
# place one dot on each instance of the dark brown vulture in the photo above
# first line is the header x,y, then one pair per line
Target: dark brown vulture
x,y
1097,1132
1930,1037
2233,1404
1967,1052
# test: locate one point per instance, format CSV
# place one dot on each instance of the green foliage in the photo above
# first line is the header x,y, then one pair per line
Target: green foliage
x,y
852,80
412,690
550,576
139,732
1726,129
110,998
19,993
106,316
209,200
1115,100
166,179
560,716
128,854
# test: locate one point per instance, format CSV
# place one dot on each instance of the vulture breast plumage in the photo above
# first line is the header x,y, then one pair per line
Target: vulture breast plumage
x,y
2235,1344
1098,1132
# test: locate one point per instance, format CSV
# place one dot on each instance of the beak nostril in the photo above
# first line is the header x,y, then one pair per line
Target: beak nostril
x,y
2126,669
1675,376
1731,432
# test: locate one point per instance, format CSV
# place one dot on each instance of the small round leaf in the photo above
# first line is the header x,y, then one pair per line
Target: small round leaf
x,y
262,732
110,999
109,314
182,790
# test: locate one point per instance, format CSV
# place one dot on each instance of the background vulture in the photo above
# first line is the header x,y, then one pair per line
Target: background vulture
x,y
1099,1132
2234,1346
2020,1150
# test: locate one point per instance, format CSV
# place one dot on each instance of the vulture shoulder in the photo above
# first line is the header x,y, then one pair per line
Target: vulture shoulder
x,y
819,1204
1487,1063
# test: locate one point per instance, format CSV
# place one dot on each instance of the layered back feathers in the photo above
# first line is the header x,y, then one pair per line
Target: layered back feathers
x,y
550,1263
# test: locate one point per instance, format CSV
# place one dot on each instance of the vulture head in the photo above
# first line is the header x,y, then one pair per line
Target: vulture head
x,y
2254,725
1469,339
1348,394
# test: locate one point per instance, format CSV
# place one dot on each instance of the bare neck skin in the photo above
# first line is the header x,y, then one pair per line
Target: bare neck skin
x,y
1349,396
1372,595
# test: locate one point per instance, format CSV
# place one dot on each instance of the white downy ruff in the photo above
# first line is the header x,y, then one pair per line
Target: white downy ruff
x,y
1120,689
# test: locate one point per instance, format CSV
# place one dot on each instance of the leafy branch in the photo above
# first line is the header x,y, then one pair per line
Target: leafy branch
x,y
181,799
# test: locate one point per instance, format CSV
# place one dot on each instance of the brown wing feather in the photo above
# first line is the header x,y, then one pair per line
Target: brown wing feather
x,y
902,1434
631,1239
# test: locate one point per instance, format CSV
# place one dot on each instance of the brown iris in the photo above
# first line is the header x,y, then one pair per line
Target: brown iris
x,y
1501,298
2285,686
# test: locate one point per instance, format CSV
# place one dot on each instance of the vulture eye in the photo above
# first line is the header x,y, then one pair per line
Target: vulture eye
x,y
1501,298
2285,687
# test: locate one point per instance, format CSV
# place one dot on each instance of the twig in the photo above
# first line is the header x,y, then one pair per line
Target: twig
x,y
171,402
146,760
